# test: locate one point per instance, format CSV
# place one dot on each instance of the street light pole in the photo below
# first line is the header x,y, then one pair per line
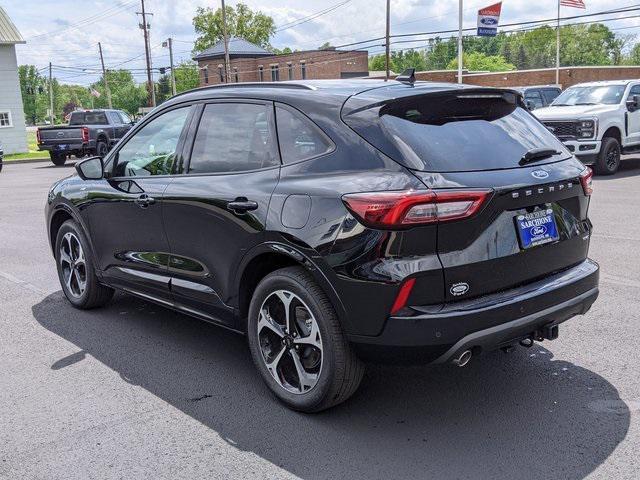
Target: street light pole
x,y
227,64
460,41
558,47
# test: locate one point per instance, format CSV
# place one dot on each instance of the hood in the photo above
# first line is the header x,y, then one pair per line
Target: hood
x,y
572,111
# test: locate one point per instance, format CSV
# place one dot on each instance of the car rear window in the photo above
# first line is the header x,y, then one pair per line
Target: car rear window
x,y
454,131
88,118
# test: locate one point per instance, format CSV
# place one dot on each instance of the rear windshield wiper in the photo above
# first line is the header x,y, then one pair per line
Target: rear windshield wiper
x,y
538,154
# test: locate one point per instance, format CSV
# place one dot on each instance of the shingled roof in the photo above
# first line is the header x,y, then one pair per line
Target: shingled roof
x,y
9,34
238,47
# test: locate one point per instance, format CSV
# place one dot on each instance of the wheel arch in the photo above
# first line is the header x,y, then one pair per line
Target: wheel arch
x,y
613,132
272,256
61,214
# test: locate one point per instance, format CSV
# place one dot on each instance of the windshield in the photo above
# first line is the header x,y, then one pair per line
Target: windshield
x,y
454,132
596,95
88,118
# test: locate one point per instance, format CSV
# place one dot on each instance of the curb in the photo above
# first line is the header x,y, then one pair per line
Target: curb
x,y
26,160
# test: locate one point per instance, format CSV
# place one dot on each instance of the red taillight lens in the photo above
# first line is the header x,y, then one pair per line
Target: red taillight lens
x,y
414,207
403,296
38,135
85,134
586,179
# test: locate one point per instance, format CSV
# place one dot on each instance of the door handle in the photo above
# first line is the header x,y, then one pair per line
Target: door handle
x,y
144,200
242,205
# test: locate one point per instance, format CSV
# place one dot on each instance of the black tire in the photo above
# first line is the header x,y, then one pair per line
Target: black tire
x,y
608,160
94,294
101,148
57,158
341,371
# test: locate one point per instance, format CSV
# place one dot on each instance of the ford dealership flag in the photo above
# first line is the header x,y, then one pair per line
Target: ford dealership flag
x,y
488,19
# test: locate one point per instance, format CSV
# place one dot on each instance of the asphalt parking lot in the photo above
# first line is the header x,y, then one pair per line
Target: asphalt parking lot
x,y
136,391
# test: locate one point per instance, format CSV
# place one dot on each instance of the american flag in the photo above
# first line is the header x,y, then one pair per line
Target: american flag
x,y
572,3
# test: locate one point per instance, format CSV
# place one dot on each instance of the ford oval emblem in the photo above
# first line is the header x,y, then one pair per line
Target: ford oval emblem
x,y
458,289
540,174
488,21
538,231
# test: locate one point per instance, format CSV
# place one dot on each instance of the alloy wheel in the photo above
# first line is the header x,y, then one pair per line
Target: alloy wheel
x,y
613,158
290,342
73,265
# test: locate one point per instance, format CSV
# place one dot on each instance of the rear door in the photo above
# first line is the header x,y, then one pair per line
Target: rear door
x,y
217,209
535,220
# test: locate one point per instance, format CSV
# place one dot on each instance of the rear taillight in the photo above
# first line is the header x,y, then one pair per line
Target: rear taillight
x,y
586,179
38,135
393,210
85,134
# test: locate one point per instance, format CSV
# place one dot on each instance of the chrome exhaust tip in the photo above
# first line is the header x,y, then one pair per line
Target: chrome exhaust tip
x,y
462,359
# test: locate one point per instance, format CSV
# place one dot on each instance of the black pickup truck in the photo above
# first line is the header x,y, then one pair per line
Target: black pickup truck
x,y
89,132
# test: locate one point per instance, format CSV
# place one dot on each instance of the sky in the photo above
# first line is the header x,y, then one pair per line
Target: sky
x,y
67,32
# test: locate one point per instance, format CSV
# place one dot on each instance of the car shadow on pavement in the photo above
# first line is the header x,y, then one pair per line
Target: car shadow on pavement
x,y
520,415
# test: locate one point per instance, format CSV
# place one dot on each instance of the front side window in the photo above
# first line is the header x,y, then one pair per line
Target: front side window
x,y
550,95
595,95
5,119
534,97
233,137
152,149
299,138
124,118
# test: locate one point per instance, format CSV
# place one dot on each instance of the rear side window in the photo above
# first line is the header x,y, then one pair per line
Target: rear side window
x,y
88,118
534,97
233,137
454,131
299,138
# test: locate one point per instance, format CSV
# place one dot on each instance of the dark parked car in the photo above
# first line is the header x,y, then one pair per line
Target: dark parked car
x,y
539,96
335,222
89,132
1,155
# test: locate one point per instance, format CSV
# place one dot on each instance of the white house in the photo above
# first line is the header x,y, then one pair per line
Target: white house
x,y
13,132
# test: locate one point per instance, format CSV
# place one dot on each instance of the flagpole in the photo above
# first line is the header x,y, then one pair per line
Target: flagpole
x,y
558,47
460,41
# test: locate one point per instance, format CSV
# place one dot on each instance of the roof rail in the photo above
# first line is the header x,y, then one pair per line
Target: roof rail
x,y
284,85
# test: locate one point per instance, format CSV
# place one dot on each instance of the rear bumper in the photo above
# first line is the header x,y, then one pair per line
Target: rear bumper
x,y
438,333
68,147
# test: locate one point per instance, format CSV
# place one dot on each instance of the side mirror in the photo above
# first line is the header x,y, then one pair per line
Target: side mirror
x,y
633,103
91,168
530,104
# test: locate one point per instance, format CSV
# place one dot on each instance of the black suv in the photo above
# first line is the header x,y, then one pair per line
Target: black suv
x,y
336,221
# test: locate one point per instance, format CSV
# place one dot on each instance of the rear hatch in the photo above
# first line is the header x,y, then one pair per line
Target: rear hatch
x,y
533,222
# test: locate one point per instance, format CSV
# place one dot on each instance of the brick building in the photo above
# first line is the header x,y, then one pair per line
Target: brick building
x,y
251,63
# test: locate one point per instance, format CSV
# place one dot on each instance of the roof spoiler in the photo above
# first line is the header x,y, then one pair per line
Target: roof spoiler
x,y
408,76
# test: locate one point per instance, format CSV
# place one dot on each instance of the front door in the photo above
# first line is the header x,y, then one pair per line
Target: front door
x,y
633,119
217,210
125,211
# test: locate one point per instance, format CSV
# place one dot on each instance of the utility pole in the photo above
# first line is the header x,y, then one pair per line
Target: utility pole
x,y
51,92
387,59
227,64
460,41
151,99
558,47
169,43
104,76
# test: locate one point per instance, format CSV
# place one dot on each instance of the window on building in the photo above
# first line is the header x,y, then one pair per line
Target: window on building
x,y
275,73
206,75
303,70
261,73
5,120
221,73
299,138
233,137
236,77
290,68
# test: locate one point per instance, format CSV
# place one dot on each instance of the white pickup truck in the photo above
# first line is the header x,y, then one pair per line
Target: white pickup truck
x,y
597,121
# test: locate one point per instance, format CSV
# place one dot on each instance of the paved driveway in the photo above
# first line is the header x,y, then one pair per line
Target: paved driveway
x,y
136,391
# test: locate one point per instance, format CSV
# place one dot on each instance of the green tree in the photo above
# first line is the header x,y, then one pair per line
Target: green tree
x,y
377,64
481,62
403,59
440,53
34,93
256,27
125,93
